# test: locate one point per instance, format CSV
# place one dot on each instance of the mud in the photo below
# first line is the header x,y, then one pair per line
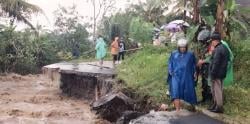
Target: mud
x,y
32,99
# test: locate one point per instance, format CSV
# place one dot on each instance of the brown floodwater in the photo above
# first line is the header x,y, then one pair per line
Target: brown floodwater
x,y
32,99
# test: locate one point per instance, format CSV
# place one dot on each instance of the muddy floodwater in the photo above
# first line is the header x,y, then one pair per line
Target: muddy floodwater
x,y
32,99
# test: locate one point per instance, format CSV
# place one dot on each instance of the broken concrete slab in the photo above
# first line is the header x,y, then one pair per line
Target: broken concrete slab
x,y
112,106
182,117
85,68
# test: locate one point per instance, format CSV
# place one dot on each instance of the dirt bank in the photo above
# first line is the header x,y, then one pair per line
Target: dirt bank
x,y
32,99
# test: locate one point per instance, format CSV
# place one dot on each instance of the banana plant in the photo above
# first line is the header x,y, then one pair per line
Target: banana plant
x,y
231,13
209,15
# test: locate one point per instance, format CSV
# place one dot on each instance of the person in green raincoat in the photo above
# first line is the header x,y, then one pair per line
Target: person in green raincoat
x,y
229,77
100,50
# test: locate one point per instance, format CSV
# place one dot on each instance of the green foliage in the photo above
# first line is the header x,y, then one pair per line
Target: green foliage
x,y
237,101
70,35
124,20
208,8
238,24
140,30
191,32
230,5
115,31
235,21
209,20
145,72
23,53
27,51
151,10
242,63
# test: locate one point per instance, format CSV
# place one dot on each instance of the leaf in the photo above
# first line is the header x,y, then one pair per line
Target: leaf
x,y
209,20
210,2
230,5
191,32
203,3
240,23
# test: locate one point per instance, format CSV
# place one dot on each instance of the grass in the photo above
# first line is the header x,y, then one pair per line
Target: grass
x,y
237,101
145,73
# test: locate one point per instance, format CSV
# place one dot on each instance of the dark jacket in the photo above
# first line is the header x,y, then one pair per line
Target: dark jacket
x,y
219,61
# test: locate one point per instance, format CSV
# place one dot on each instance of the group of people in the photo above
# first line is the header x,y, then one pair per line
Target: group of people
x,y
182,69
117,50
182,72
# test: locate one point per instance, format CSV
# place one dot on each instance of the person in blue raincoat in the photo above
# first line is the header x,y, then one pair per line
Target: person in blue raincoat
x,y
100,50
181,75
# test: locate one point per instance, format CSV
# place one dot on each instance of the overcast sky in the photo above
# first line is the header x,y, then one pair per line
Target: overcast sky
x,y
84,8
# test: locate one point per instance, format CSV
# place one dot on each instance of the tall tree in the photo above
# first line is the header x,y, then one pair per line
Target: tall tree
x,y
220,17
19,10
151,10
71,33
100,7
185,11
196,12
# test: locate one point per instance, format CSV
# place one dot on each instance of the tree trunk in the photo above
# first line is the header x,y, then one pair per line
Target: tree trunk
x,y
185,11
196,11
220,18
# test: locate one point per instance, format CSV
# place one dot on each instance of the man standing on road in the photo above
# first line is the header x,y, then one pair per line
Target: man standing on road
x,y
121,50
181,75
218,70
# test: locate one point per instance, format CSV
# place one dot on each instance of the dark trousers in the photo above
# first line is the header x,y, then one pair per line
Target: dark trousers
x,y
206,90
121,56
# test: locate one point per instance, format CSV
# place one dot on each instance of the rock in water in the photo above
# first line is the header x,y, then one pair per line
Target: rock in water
x,y
112,105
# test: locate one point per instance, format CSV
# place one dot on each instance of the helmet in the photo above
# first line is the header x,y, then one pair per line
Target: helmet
x,y
182,43
204,35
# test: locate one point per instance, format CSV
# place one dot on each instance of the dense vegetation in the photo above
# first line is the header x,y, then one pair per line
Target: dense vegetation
x,y
28,50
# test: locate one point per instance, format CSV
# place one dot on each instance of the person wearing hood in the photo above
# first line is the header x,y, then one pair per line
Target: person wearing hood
x,y
181,75
100,50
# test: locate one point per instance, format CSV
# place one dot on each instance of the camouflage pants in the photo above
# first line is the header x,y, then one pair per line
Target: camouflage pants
x,y
206,90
